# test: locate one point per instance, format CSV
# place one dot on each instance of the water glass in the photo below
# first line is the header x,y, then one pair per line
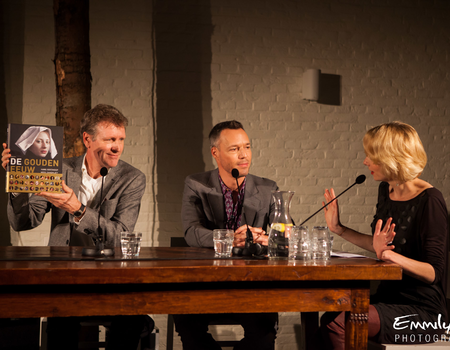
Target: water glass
x,y
299,243
321,243
223,242
130,243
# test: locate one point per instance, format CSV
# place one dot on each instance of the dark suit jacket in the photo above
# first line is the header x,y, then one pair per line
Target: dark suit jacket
x,y
203,207
119,209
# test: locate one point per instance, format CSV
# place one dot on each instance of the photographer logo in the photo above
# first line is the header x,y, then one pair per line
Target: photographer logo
x,y
411,322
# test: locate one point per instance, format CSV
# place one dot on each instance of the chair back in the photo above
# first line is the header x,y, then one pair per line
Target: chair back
x,y
178,242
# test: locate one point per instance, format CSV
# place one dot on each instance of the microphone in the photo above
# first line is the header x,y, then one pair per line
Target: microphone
x,y
235,174
99,250
101,235
251,248
358,181
103,172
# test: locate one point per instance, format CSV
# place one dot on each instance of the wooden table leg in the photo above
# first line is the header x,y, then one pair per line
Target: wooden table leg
x,y
356,321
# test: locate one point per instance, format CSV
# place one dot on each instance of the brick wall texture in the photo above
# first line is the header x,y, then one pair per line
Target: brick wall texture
x,y
177,67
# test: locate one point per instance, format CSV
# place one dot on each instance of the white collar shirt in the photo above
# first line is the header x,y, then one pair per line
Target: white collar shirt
x,y
89,186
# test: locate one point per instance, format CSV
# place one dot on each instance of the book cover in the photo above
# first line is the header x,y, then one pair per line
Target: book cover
x,y
36,158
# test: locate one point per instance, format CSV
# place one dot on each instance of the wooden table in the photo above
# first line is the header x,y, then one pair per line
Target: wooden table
x,y
58,282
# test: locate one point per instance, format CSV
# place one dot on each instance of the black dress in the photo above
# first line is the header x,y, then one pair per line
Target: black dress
x,y
412,311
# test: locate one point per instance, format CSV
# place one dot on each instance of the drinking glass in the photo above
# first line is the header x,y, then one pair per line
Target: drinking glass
x,y
223,242
321,243
300,243
130,244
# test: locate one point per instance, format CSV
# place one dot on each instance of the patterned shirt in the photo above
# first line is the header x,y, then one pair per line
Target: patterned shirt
x,y
233,208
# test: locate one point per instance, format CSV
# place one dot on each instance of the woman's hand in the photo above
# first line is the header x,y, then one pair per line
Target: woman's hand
x,y
383,237
332,213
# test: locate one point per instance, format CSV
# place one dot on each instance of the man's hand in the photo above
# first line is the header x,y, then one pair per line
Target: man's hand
x,y
66,201
6,154
241,234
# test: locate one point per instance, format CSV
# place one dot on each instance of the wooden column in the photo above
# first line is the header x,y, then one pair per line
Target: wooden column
x,y
72,70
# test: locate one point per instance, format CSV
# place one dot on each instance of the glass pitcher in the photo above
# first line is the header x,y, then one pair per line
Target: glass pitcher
x,y
279,231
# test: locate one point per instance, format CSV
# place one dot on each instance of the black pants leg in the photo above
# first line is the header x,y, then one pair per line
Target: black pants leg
x,y
259,330
62,333
193,331
124,332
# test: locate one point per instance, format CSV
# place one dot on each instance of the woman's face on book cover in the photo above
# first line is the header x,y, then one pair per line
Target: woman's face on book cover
x,y
41,145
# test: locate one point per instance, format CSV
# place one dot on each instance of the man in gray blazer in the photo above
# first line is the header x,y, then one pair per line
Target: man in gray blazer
x,y
205,188
122,192
215,199
75,213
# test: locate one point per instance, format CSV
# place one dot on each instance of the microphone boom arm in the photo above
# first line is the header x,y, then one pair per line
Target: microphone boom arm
x,y
359,180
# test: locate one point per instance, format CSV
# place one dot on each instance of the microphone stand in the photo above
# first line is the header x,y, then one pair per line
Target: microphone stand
x,y
99,250
251,248
359,180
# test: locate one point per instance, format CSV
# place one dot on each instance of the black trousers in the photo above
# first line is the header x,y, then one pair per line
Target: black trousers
x,y
124,332
259,330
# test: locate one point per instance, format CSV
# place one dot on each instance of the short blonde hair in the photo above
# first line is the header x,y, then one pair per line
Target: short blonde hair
x,y
397,148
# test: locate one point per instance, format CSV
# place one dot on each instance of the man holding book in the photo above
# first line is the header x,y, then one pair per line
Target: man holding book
x,y
77,213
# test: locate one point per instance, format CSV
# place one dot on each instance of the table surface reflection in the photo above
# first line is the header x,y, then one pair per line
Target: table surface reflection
x,y
32,265
60,282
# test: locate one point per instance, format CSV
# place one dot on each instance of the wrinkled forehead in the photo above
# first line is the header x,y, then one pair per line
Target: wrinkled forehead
x,y
230,137
108,129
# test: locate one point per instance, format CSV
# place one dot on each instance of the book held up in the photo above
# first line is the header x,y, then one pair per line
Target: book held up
x,y
36,158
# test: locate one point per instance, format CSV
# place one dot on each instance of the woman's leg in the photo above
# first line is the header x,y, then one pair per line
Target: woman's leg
x,y
332,327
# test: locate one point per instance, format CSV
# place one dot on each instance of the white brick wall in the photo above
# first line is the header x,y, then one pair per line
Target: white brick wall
x,y
393,64
122,69
38,102
244,60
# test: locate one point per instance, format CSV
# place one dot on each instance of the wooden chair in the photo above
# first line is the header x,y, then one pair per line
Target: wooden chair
x,y
181,242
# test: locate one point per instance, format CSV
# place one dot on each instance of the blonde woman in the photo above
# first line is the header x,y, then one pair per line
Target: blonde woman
x,y
409,229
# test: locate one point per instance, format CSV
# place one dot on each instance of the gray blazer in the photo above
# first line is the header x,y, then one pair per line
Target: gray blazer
x,y
203,207
119,209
